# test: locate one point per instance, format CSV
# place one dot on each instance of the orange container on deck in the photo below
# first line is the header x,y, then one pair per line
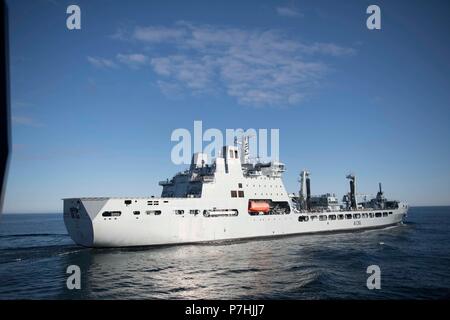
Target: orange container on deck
x,y
258,206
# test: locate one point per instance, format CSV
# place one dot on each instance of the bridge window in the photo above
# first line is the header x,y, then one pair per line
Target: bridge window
x,y
322,218
385,214
233,194
179,212
127,202
155,212
231,153
332,217
111,213
348,216
303,218
194,212
136,212
378,214
340,217
356,216
241,193
240,185
371,215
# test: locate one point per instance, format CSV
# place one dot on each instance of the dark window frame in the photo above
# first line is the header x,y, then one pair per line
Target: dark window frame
x,y
154,212
111,213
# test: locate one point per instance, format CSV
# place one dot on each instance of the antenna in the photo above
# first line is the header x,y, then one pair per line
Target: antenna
x,y
245,146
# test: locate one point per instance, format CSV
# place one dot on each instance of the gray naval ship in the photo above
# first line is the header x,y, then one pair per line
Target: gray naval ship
x,y
232,198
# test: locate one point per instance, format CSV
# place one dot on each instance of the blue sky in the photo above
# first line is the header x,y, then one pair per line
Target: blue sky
x,y
93,109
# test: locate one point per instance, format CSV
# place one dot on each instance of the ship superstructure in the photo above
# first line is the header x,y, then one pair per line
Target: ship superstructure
x,y
231,198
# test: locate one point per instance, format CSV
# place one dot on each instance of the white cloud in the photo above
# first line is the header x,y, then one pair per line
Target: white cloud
x,y
196,74
288,12
170,89
20,104
26,121
133,60
328,48
256,67
120,34
157,34
101,62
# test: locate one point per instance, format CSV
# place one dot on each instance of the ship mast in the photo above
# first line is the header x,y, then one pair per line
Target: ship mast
x,y
244,146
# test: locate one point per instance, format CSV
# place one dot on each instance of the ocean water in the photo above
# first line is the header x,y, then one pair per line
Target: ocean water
x,y
414,259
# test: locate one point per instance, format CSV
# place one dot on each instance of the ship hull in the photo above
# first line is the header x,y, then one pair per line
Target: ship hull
x,y
88,226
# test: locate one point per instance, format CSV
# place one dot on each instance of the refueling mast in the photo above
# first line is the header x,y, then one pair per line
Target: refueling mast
x,y
380,199
350,199
307,203
305,191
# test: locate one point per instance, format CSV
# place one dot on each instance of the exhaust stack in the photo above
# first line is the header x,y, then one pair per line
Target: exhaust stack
x,y
353,203
308,193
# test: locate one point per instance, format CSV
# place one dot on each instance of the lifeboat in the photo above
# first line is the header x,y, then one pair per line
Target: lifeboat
x,y
258,206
